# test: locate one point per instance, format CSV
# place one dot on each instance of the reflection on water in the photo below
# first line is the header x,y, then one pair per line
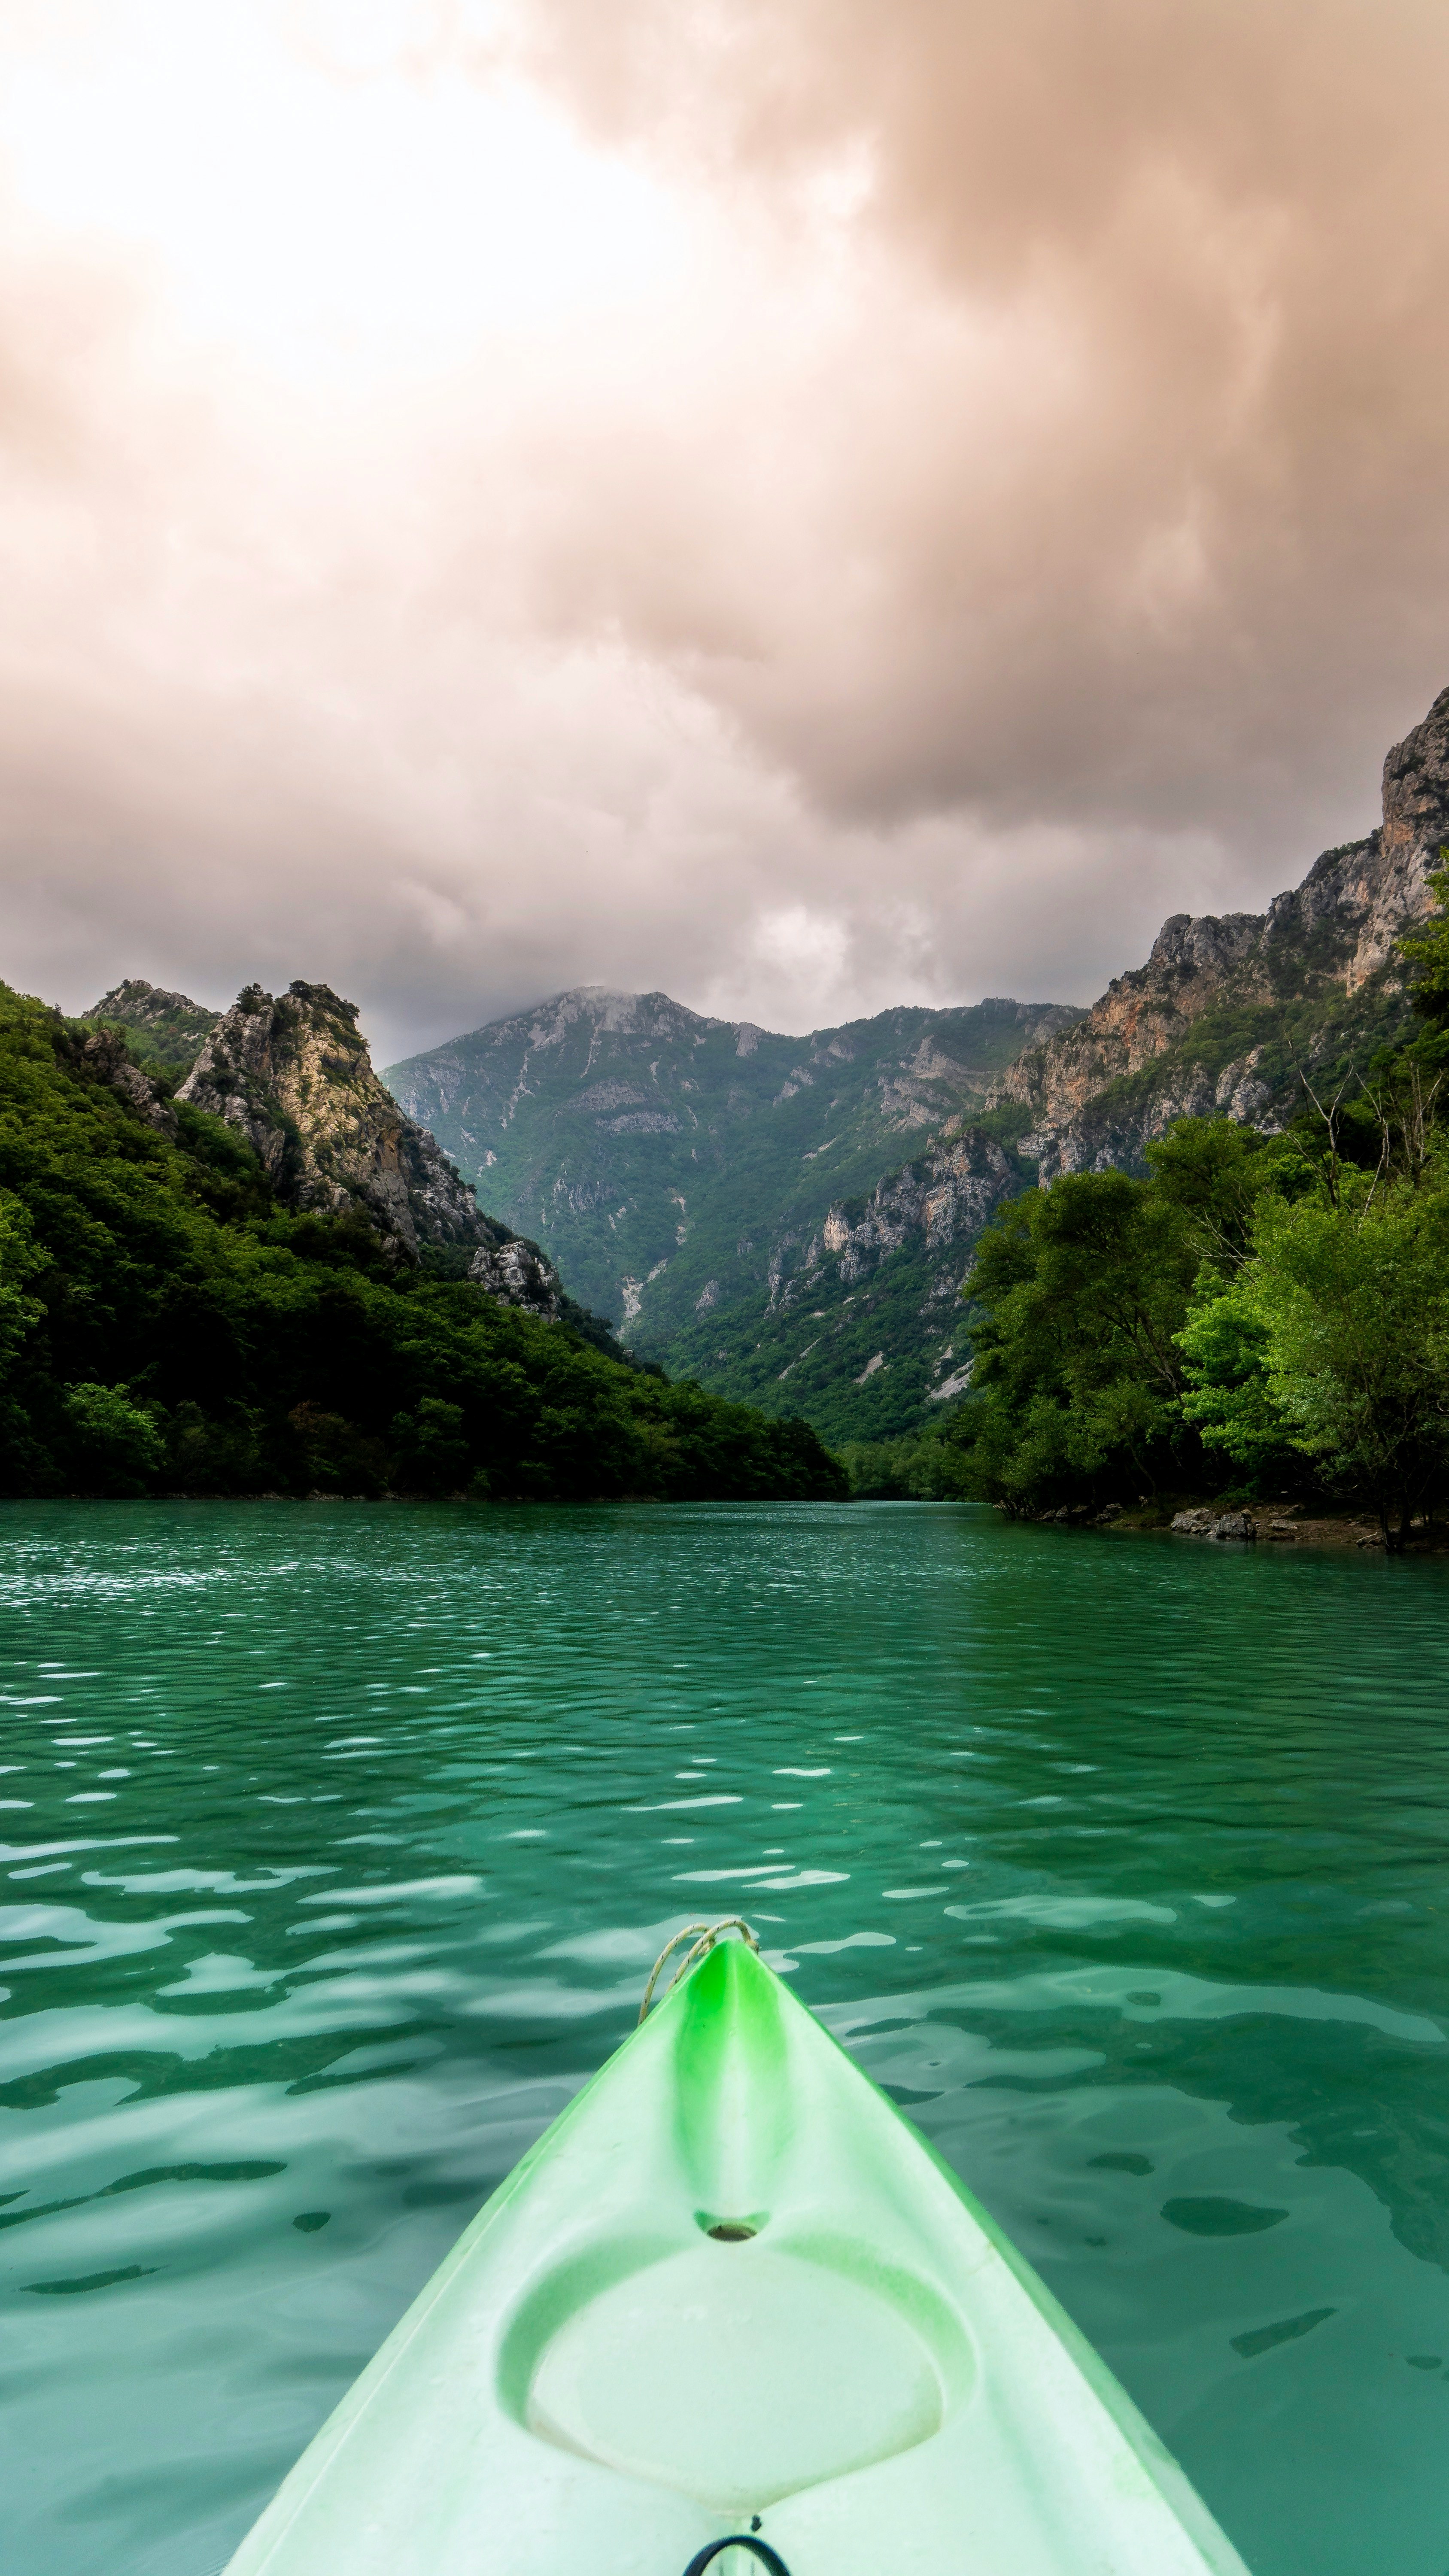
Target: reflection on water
x,y
337,1843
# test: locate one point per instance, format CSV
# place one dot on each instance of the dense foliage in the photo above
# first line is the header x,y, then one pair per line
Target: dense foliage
x,y
1259,1316
1268,1316
166,1325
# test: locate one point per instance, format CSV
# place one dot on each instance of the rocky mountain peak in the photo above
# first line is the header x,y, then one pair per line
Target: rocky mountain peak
x,y
167,1026
292,1073
1205,943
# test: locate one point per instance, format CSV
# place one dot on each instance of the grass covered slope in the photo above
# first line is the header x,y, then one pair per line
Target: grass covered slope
x,y
167,1325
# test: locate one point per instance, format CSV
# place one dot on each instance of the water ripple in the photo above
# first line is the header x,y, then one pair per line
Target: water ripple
x,y
1120,1866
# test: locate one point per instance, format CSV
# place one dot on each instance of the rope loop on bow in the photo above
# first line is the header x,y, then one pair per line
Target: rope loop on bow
x,y
769,2558
708,1934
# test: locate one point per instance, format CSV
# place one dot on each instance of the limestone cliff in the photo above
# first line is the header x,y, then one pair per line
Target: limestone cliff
x,y
859,1324
294,1076
943,1199
1215,1023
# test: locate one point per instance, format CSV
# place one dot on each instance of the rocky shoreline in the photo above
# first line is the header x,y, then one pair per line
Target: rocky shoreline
x,y
1280,1524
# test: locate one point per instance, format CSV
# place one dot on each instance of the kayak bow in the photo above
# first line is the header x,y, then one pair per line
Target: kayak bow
x,y
731,2312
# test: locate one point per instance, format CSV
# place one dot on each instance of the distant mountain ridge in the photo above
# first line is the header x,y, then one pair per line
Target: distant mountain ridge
x,y
678,1166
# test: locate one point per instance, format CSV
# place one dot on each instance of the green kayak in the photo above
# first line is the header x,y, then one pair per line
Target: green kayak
x,y
732,2312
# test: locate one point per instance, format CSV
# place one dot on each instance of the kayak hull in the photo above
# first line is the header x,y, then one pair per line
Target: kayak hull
x,y
731,2288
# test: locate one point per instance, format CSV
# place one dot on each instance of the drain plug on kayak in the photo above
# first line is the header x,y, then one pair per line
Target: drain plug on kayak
x,y
730,2231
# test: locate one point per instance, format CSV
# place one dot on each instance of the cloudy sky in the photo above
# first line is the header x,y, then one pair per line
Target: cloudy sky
x,y
806,503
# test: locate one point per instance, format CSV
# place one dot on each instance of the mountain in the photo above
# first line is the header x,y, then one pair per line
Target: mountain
x,y
676,1166
1230,1012
186,1311
294,1077
859,1325
166,1028
1226,1019
738,1199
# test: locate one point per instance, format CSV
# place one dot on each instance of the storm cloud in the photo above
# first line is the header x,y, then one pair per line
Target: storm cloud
x,y
804,504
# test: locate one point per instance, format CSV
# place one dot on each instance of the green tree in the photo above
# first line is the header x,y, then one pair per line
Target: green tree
x,y
1215,1173
1336,1334
1229,1397
113,1444
21,1262
1081,1291
431,1447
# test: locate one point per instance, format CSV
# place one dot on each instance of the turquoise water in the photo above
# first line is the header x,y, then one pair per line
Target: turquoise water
x,y
338,1842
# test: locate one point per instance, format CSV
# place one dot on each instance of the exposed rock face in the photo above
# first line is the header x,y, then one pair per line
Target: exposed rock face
x,y
1331,938
294,1076
936,1205
104,1051
944,1197
517,1274
857,1322
1205,1524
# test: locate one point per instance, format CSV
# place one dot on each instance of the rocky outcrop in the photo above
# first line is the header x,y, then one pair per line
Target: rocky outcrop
x,y
517,1274
1201,1523
936,1205
855,1319
103,1053
1332,940
167,1026
944,1198
293,1075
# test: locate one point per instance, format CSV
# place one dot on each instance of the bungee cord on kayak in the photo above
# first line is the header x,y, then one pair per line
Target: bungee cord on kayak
x,y
767,2556
710,1934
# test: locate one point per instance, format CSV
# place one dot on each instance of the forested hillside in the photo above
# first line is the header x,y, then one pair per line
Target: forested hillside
x,y
1239,1019
169,1322
1261,1317
672,1164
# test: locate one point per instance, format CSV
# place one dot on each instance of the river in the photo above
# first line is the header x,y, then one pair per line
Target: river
x,y
338,1841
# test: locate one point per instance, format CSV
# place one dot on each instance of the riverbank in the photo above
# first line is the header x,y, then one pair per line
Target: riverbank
x,y
1273,1524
